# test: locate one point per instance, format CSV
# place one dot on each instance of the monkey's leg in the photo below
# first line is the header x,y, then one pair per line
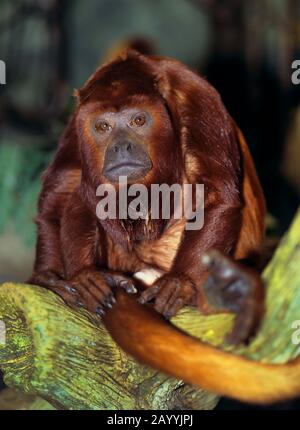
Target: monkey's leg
x,y
91,288
234,287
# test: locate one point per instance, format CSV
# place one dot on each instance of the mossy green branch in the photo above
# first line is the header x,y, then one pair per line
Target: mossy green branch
x,y
68,358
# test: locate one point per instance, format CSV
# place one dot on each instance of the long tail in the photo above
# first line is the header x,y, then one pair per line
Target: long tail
x,y
150,339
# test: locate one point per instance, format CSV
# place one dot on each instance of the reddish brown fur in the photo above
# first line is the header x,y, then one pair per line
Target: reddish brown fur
x,y
193,140
205,150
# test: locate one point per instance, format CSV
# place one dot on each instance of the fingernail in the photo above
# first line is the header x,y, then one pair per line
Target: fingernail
x,y
131,289
79,303
100,311
109,305
71,290
141,300
113,300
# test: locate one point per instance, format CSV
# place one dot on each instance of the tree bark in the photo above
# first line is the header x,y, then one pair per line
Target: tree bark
x,y
68,358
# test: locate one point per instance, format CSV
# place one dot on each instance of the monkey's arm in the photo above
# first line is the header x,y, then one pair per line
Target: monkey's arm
x,y
48,260
190,279
57,188
77,271
59,181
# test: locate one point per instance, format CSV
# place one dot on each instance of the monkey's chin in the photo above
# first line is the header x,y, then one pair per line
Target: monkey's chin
x,y
132,172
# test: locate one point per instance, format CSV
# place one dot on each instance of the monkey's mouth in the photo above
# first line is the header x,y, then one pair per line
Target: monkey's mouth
x,y
133,170
131,165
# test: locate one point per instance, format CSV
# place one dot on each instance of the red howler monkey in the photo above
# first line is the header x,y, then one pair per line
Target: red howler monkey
x,y
155,121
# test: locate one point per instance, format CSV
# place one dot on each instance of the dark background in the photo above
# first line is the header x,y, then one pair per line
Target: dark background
x,y
244,48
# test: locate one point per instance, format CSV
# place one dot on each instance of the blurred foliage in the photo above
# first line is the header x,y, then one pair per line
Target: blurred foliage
x,y
177,29
20,167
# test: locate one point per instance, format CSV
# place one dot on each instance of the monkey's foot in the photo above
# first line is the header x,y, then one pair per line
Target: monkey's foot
x,y
170,293
234,287
90,289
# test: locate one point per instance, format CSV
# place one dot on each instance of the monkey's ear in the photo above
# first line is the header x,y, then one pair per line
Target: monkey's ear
x,y
76,96
75,93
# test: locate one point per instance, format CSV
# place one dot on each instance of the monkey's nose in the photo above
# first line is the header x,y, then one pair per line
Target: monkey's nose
x,y
126,158
123,147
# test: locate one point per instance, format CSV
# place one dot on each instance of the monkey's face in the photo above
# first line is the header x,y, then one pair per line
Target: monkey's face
x,y
125,135
128,140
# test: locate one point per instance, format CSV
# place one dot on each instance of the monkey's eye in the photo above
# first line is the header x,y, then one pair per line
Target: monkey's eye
x,y
102,126
138,120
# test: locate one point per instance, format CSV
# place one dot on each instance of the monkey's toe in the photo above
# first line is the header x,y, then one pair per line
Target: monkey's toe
x,y
236,288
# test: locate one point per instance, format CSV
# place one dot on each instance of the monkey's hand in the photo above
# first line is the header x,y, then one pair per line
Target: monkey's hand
x,y
234,287
91,289
170,293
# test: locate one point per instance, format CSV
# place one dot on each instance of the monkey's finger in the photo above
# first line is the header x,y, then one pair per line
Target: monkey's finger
x,y
83,297
100,298
48,280
98,310
101,293
174,308
149,294
121,281
67,292
89,299
128,285
175,294
104,286
98,285
166,296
